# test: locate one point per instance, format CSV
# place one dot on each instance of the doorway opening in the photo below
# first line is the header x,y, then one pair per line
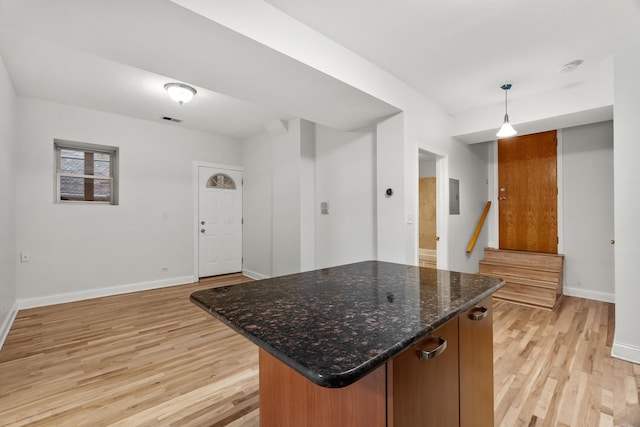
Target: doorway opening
x,y
433,175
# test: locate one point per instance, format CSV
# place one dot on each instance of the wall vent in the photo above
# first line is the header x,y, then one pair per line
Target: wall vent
x,y
171,119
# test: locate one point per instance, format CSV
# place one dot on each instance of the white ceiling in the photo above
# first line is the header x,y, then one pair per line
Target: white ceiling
x,y
115,56
459,52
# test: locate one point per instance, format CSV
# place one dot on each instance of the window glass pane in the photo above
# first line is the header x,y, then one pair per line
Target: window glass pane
x,y
72,161
221,180
71,188
101,189
72,154
101,165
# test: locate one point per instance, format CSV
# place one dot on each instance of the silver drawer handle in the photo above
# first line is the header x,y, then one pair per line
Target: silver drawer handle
x,y
442,346
478,313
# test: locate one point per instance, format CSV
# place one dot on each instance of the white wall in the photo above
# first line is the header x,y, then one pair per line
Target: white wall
x,y
286,201
392,227
346,178
286,178
81,250
272,202
257,230
587,165
307,195
468,164
627,182
8,156
427,167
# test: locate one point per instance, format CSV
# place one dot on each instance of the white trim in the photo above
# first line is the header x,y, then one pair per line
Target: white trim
x,y
196,208
492,195
102,292
254,275
588,294
442,216
7,323
560,196
628,352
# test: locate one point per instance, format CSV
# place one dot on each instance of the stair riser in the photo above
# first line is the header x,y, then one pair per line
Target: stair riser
x,y
534,275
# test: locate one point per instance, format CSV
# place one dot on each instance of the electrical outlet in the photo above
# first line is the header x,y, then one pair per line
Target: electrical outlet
x,y
164,269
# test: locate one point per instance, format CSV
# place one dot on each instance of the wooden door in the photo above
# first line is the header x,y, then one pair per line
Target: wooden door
x,y
427,213
528,192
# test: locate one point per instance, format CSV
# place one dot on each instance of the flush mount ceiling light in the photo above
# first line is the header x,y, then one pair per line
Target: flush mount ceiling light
x,y
506,130
179,92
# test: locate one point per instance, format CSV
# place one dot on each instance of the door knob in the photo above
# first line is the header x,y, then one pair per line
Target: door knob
x,y
202,230
201,222
437,238
502,198
613,242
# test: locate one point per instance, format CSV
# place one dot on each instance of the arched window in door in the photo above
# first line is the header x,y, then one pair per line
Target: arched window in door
x,y
221,181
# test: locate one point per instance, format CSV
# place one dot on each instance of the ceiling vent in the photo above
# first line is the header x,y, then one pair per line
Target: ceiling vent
x,y
571,66
171,119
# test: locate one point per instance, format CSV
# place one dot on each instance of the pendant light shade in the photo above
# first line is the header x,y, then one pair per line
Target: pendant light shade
x,y
179,92
506,130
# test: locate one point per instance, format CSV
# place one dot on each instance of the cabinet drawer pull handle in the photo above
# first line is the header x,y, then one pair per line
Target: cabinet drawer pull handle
x,y
478,313
442,346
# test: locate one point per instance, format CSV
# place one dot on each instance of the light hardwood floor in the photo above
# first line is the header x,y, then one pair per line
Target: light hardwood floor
x,y
154,358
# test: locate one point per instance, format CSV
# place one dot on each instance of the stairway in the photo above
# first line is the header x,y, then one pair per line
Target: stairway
x,y
532,278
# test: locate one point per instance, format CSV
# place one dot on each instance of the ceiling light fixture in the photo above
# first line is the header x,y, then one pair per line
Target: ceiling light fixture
x,y
506,130
179,92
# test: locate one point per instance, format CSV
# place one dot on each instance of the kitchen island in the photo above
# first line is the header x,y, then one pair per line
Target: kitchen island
x,y
371,343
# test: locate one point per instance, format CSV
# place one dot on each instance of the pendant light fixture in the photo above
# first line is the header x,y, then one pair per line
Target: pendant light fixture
x,y
180,92
506,130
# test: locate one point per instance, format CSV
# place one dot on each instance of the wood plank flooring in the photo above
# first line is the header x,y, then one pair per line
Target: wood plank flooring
x,y
154,358
149,358
555,369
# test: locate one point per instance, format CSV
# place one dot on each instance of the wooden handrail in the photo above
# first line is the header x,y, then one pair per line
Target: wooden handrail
x,y
476,233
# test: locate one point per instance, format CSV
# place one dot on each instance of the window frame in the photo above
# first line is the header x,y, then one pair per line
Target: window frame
x,y
113,152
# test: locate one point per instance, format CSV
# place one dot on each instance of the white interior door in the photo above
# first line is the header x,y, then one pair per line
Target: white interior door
x,y
219,221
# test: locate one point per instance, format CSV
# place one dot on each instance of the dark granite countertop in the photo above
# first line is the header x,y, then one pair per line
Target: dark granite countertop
x,y
337,324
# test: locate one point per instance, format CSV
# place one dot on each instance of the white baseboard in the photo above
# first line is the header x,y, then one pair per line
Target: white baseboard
x,y
254,275
102,292
630,353
5,326
585,293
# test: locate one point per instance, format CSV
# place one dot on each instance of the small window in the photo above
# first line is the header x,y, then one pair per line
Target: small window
x,y
86,172
221,180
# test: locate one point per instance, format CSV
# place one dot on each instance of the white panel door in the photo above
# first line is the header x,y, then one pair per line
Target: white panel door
x,y
220,221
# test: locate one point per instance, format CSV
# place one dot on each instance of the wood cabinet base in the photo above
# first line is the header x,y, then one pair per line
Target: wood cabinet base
x,y
287,399
454,388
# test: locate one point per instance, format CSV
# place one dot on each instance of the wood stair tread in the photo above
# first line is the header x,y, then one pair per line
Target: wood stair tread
x,y
519,265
